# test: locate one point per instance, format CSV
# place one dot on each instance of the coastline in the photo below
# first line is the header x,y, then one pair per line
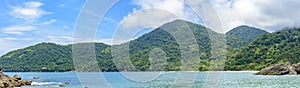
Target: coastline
x,y
129,71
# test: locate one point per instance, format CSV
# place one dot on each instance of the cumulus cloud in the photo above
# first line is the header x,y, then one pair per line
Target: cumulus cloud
x,y
271,15
29,12
151,14
17,30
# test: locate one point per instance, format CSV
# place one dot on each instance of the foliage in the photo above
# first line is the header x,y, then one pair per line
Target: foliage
x,y
247,48
278,47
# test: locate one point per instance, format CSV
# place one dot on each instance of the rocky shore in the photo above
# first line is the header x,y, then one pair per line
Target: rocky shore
x,y
11,82
281,69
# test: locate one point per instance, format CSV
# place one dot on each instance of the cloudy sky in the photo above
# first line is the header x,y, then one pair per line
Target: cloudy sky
x,y
28,22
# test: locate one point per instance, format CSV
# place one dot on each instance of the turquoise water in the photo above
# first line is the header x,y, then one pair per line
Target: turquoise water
x,y
165,80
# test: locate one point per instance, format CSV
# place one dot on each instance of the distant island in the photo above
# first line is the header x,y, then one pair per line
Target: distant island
x,y
248,48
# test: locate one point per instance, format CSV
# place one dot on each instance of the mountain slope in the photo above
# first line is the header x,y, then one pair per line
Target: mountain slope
x,y
243,35
49,57
53,57
158,45
43,56
162,38
278,47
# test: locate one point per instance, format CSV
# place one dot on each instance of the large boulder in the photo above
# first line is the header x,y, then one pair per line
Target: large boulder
x,y
11,82
281,69
297,66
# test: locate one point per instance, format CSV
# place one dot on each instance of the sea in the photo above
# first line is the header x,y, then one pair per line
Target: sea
x,y
223,79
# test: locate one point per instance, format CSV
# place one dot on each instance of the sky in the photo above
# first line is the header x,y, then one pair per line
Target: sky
x,y
28,22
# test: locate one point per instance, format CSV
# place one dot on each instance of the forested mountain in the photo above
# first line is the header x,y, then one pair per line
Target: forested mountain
x,y
162,38
243,35
278,47
48,57
40,57
163,41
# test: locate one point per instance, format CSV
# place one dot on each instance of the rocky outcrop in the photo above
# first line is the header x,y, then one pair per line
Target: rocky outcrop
x,y
281,69
11,82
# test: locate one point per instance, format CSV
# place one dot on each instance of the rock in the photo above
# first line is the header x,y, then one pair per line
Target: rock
x,y
24,82
36,77
61,85
11,82
66,83
17,77
281,69
297,67
292,70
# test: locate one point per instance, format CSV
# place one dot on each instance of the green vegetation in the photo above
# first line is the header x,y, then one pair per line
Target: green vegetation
x,y
278,47
243,35
248,48
50,57
40,57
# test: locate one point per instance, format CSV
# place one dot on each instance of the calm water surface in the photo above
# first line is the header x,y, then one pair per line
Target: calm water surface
x,y
117,80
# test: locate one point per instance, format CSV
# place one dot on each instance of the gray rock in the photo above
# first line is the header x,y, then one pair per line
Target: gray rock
x,y
281,69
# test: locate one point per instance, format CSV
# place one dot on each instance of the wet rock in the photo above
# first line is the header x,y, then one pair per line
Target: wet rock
x,y
66,83
61,85
36,77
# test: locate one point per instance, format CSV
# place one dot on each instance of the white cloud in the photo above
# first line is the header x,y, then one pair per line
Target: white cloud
x,y
271,15
110,20
60,39
30,12
65,27
49,22
17,30
173,6
12,43
152,13
110,41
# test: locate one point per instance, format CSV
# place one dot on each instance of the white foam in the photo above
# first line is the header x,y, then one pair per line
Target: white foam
x,y
43,83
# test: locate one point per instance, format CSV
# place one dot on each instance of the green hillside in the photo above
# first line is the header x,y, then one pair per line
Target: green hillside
x,y
49,57
278,47
40,57
54,57
243,35
160,38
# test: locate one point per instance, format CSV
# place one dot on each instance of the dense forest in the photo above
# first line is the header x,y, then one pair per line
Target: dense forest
x,y
278,47
248,48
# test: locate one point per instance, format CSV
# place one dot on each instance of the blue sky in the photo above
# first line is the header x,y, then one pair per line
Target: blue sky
x,y
25,22
28,22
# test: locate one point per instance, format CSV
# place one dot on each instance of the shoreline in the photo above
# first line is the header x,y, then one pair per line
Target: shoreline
x,y
130,71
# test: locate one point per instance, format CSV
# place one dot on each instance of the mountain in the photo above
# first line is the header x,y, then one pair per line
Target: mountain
x,y
162,45
163,38
43,56
54,57
47,57
278,47
243,35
